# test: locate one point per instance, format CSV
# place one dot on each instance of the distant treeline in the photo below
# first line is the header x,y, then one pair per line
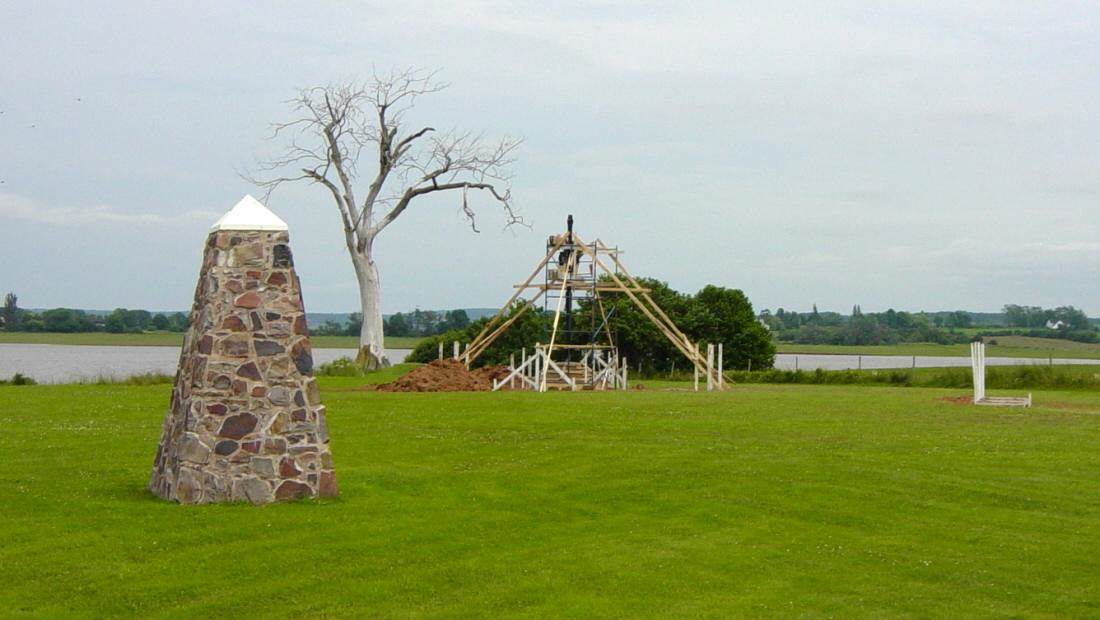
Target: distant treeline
x,y
122,320
425,322
893,327
67,321
1068,317
333,328
418,323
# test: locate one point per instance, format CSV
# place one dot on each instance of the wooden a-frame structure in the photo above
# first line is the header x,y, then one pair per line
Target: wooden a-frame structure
x,y
573,266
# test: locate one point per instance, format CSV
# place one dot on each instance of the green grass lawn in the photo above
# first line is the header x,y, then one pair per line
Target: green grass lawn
x,y
764,500
1007,346
174,339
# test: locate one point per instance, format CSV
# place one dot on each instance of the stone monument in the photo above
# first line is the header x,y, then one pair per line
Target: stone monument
x,y
246,420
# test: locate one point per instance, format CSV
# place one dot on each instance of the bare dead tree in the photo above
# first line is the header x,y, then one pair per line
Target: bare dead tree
x,y
338,127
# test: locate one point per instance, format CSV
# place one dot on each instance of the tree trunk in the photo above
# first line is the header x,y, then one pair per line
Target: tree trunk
x,y
372,355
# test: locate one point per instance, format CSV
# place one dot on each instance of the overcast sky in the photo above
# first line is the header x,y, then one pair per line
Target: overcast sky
x,y
937,155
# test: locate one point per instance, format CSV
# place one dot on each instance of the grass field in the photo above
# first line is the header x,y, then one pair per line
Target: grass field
x,y
765,500
1046,345
174,339
1007,346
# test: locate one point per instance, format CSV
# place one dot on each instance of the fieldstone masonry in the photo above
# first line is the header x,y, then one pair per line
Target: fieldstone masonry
x,y
246,420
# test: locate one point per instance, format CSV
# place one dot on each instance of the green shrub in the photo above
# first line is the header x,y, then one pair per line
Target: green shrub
x,y
145,378
18,379
149,378
340,367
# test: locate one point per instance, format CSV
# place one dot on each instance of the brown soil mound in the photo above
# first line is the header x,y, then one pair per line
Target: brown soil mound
x,y
958,400
446,376
488,373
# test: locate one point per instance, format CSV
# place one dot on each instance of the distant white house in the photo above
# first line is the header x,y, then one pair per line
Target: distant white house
x,y
1056,325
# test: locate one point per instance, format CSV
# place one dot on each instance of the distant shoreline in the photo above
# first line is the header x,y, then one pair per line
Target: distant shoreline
x,y
1010,346
174,339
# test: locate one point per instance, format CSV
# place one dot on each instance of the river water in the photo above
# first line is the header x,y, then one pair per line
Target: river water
x,y
803,361
51,363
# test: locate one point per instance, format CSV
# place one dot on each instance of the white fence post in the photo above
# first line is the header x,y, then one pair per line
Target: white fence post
x,y
710,367
721,366
974,368
977,364
695,367
981,349
538,367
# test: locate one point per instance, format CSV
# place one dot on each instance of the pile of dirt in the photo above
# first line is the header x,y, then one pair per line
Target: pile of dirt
x,y
958,400
488,373
446,376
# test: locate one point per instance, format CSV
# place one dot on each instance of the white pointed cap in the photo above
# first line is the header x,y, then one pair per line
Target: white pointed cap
x,y
249,214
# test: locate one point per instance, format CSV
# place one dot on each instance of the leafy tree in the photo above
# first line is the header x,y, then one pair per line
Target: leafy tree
x,y
31,322
888,318
863,330
638,339
715,314
423,322
1024,316
1037,317
133,321
139,320
958,318
10,313
426,322
789,320
115,322
179,322
397,325
354,324
66,320
1072,318
455,319
816,334
725,315
160,322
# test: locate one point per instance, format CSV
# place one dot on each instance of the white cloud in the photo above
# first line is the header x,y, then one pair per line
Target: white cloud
x,y
20,208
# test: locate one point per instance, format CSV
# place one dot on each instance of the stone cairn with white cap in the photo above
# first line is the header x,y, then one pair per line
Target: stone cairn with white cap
x,y
246,421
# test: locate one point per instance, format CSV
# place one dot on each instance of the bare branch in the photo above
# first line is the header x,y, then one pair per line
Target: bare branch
x,y
338,127
335,123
